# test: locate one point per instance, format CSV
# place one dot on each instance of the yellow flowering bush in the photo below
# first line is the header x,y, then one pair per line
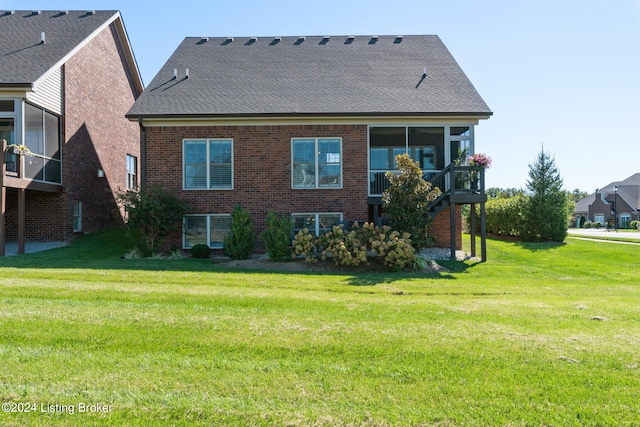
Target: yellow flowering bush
x,y
304,244
354,247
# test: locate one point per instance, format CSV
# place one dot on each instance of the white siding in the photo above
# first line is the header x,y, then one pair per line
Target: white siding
x,y
48,92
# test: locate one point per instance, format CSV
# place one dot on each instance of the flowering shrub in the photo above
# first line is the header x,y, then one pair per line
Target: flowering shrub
x,y
304,244
354,247
479,161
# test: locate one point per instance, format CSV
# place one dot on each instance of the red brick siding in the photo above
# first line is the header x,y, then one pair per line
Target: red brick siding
x,y
440,228
262,172
98,93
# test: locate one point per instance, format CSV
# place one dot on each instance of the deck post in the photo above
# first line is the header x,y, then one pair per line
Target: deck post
x,y
472,226
483,231
452,230
21,219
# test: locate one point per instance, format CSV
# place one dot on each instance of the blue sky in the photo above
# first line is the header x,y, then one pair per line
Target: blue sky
x,y
565,74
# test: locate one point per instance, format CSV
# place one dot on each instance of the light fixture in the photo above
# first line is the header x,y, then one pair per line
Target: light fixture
x,y
100,173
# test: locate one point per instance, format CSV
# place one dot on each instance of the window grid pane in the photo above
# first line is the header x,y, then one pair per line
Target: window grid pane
x,y
220,227
195,164
304,163
220,159
329,161
195,230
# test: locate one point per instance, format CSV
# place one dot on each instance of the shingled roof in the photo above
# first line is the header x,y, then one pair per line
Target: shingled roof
x,y
628,189
25,58
334,75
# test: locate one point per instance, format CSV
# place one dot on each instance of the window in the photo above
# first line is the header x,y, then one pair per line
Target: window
x,y
77,216
317,162
42,137
208,164
132,168
206,229
625,220
318,223
599,218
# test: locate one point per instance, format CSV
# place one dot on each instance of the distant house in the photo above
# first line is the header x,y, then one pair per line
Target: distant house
x,y
618,201
66,81
305,126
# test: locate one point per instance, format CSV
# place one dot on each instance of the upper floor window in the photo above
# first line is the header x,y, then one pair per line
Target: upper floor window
x,y
317,162
207,164
132,174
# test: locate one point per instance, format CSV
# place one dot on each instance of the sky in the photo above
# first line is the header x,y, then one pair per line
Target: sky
x,y
563,75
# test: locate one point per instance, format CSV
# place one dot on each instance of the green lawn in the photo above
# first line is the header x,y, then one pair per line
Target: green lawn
x,y
538,335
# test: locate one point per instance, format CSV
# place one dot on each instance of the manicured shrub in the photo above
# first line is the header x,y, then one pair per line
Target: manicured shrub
x,y
634,225
277,237
354,247
151,214
407,199
587,224
239,243
200,251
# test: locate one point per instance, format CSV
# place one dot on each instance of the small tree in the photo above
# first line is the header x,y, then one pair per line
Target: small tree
x,y
277,237
239,243
407,199
546,214
151,214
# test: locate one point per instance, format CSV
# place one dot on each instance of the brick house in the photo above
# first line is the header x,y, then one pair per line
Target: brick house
x,y
618,201
66,81
304,126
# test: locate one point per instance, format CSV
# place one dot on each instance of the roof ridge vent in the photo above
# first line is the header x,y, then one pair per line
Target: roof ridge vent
x,y
204,39
43,39
253,39
91,12
229,39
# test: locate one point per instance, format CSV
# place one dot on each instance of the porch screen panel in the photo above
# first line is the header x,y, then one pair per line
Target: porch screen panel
x,y
220,161
195,165
34,168
34,129
6,133
52,136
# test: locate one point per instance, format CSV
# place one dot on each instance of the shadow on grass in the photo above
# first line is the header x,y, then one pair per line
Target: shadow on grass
x,y
104,250
529,246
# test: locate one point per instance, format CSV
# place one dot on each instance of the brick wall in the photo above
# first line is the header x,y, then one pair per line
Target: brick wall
x,y
262,173
98,93
440,228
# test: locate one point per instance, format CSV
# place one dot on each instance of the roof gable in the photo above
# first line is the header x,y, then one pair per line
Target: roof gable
x,y
311,76
26,59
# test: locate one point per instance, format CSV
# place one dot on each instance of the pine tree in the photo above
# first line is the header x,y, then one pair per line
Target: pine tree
x,y
546,213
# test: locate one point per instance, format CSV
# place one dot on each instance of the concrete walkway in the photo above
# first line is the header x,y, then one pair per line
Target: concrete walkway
x,y
11,248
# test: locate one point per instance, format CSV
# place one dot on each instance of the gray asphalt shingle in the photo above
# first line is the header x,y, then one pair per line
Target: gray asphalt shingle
x,y
24,57
314,76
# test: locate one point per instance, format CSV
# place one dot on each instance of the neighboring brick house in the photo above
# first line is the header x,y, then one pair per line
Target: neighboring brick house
x,y
618,201
66,81
304,126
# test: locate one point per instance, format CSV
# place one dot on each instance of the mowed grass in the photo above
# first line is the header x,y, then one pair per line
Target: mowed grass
x,y
540,334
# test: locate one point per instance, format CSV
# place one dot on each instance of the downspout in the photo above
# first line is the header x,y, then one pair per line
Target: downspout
x,y
143,155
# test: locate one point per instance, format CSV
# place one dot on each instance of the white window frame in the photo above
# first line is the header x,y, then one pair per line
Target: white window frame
x,y
316,185
207,141
132,175
317,219
213,245
77,216
599,218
